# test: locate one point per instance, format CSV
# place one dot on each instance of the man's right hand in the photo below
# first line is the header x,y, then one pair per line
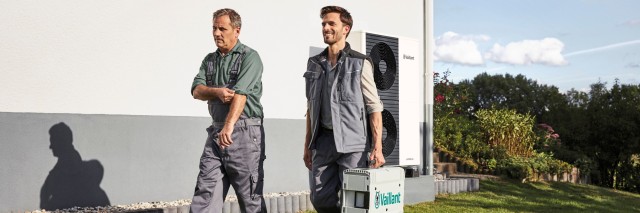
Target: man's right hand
x,y
226,95
307,158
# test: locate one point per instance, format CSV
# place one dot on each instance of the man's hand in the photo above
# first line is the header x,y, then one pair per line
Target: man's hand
x,y
307,155
376,157
307,158
226,95
224,136
235,109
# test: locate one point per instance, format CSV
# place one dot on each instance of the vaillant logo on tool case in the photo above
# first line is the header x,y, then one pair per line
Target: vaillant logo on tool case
x,y
383,199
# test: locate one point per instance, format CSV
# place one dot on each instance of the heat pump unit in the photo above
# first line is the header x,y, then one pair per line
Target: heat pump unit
x,y
397,76
373,190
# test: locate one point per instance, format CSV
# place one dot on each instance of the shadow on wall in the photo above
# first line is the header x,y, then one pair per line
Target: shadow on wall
x,y
71,182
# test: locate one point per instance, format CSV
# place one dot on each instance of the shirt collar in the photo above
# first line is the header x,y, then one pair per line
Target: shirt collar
x,y
235,49
325,52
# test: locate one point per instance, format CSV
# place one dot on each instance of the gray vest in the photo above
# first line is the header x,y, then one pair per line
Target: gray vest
x,y
348,113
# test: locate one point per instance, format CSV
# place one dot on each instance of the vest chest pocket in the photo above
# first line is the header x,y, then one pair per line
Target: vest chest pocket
x,y
349,86
312,80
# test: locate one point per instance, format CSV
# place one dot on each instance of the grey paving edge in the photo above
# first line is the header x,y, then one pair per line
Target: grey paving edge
x,y
457,185
301,202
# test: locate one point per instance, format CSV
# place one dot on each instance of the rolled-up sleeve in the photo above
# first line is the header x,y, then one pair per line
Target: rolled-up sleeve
x,y
369,91
200,78
250,75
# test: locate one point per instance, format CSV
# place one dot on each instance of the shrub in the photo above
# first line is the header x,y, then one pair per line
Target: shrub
x,y
508,130
585,164
540,163
453,130
460,135
516,167
524,167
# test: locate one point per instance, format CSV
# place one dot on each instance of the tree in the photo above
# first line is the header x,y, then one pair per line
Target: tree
x,y
524,95
599,130
605,126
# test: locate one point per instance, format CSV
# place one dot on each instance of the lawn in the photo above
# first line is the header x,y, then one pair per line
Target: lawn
x,y
513,196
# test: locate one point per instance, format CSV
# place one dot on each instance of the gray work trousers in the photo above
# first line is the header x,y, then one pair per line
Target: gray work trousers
x,y
326,172
239,165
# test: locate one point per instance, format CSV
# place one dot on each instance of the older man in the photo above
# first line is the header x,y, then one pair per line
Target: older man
x,y
230,79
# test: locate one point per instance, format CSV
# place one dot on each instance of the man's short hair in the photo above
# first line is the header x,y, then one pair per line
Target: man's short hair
x,y
236,21
345,16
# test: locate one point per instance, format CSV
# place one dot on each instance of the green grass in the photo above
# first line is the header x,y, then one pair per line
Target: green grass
x,y
512,196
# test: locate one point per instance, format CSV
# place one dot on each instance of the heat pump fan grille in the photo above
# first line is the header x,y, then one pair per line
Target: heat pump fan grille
x,y
389,143
382,52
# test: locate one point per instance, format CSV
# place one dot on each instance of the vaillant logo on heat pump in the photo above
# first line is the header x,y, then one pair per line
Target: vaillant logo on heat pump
x,y
384,199
407,57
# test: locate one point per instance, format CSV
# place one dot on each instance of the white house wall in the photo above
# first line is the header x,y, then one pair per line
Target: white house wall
x,y
118,73
140,57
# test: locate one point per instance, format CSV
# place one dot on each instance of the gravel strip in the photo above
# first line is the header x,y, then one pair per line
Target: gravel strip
x,y
156,205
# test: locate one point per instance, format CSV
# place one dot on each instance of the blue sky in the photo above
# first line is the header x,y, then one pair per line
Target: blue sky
x,y
565,43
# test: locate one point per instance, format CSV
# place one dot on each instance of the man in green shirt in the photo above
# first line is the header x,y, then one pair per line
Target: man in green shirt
x,y
230,80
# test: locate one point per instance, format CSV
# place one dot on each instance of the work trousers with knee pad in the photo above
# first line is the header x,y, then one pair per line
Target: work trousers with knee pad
x,y
239,165
326,172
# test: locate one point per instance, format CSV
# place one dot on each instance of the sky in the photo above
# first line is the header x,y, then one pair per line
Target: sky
x,y
567,44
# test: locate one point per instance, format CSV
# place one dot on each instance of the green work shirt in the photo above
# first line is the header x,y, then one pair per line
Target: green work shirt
x,y
249,82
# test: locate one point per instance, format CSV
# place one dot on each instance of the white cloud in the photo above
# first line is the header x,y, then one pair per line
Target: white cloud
x,y
461,49
546,51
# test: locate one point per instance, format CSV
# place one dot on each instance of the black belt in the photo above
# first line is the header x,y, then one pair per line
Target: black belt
x,y
326,129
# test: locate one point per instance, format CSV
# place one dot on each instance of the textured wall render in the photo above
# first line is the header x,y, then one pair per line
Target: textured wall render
x,y
139,57
145,158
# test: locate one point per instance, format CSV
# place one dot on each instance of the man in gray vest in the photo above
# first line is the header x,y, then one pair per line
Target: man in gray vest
x,y
230,79
341,99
